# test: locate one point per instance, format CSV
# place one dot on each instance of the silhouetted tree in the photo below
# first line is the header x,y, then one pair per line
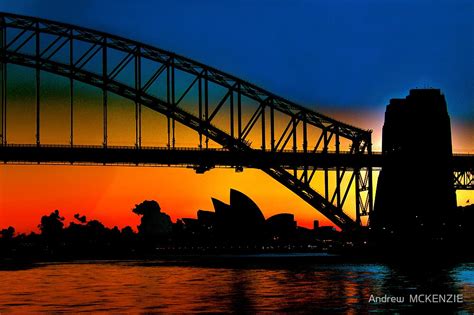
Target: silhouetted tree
x,y
51,225
81,219
95,225
127,232
154,223
7,234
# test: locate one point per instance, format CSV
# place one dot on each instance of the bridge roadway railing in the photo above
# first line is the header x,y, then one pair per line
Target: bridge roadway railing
x,y
156,156
211,157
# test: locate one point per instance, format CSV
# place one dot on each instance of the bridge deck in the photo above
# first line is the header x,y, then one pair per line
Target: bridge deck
x,y
156,156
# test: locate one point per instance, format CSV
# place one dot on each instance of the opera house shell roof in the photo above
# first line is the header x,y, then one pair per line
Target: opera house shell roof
x,y
240,219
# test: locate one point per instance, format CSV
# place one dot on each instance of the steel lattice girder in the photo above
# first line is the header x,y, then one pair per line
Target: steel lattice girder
x,y
464,180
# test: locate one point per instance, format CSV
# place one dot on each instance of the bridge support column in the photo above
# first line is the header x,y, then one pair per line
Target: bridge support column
x,y
416,129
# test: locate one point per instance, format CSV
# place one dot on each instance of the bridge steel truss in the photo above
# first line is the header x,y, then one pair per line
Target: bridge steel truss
x,y
53,47
464,179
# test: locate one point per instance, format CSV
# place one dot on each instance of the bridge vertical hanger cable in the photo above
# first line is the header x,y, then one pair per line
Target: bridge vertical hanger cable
x,y
239,110
295,143
168,100
138,105
71,85
231,111
38,83
104,89
338,172
200,108
3,72
272,128
356,147
305,149
173,101
263,125
326,171
370,194
206,105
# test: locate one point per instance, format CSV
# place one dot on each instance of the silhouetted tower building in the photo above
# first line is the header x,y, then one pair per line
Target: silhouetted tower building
x,y
415,192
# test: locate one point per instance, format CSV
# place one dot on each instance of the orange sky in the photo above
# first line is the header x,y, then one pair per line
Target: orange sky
x,y
109,193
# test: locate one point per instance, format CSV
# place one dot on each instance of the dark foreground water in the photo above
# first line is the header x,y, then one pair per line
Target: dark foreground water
x,y
241,287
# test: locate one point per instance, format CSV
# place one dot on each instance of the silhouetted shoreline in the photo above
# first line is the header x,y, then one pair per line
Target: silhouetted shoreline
x,y
235,232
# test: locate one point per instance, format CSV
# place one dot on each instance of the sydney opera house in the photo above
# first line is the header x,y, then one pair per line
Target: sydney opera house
x,y
241,221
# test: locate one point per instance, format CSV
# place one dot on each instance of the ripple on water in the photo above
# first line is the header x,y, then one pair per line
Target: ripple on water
x,y
125,287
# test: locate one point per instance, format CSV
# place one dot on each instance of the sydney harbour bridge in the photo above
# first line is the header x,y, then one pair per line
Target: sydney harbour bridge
x,y
234,123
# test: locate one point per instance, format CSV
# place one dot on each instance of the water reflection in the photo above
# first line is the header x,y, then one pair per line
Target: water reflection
x,y
134,287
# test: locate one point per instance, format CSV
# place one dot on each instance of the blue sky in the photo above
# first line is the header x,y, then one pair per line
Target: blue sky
x,y
328,55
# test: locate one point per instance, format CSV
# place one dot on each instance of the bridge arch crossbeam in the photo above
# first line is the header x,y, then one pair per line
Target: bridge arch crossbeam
x,y
42,59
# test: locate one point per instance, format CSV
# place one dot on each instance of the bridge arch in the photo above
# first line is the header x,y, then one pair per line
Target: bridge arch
x,y
22,43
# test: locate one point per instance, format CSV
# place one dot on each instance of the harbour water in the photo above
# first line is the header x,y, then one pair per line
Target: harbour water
x,y
239,287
